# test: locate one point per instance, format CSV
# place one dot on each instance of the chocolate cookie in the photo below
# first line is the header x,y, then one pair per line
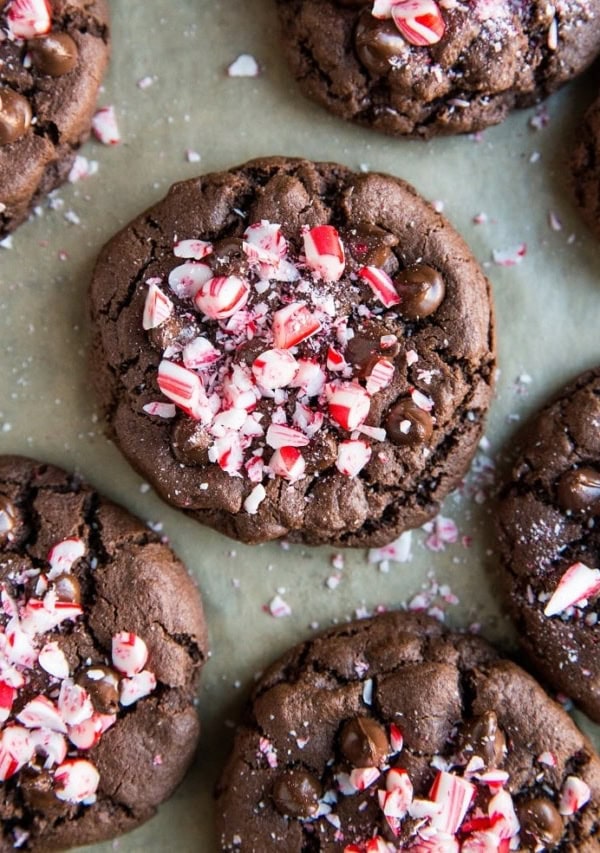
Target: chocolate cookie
x,y
393,734
428,67
292,349
102,638
585,167
549,521
52,57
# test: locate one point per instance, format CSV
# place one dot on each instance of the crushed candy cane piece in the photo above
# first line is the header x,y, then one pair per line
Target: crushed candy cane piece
x,y
574,795
160,410
192,249
279,608
244,66
420,21
577,584
76,781
157,308
455,796
287,462
28,19
349,405
293,324
129,653
53,660
132,689
256,496
352,457
105,127
275,368
222,296
324,252
381,285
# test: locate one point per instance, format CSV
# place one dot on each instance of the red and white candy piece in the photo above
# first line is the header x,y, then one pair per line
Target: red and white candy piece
x,y
8,694
309,421
258,493
74,703
380,376
381,285
199,354
501,806
274,368
348,404
577,584
310,377
20,649
228,452
184,388
193,249
41,712
87,734
222,296
131,690
51,744
16,750
288,463
293,324
160,410
279,435
76,781
264,243
29,18
105,127
324,252
239,389
157,308
485,842
129,653
396,738
63,555
352,457
455,796
420,21
41,616
421,400
396,799
363,777
335,360
574,795
186,280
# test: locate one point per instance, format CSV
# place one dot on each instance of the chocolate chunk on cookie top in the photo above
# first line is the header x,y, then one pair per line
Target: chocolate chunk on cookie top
x,y
292,349
393,734
102,638
428,67
549,523
52,57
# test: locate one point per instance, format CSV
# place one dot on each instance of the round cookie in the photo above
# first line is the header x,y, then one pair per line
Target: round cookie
x,y
392,733
585,168
52,57
102,638
293,349
429,67
549,524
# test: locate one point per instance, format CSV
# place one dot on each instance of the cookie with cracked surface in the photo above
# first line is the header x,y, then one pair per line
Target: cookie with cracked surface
x,y
585,168
52,57
392,733
102,638
427,67
549,524
293,349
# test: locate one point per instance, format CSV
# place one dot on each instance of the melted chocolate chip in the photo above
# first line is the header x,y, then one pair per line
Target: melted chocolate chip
x,y
55,54
296,793
15,116
102,683
369,245
377,42
421,289
7,518
228,257
579,490
190,442
540,822
364,743
37,788
482,736
365,348
407,424
67,588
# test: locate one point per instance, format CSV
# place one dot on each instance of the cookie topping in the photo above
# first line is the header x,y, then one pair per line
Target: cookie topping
x,y
540,822
578,584
29,18
408,423
421,290
15,116
55,54
7,519
377,43
420,21
296,793
483,737
579,490
364,742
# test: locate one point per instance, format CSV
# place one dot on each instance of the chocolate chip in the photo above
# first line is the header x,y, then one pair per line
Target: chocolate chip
x,y
296,793
365,348
421,289
579,490
407,424
102,683
482,736
540,822
55,54
369,245
190,442
7,518
364,743
228,257
377,42
67,588
15,116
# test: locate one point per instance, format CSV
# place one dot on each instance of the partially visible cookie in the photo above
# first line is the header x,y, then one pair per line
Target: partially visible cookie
x,y
429,67
394,734
102,638
293,349
549,522
585,166
52,57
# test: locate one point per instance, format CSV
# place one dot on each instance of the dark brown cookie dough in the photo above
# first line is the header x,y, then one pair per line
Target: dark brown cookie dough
x,y
102,638
585,167
324,403
394,734
455,68
549,523
52,58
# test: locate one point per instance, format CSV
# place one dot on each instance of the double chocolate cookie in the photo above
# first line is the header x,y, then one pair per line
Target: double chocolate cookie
x,y
549,522
102,638
393,734
428,67
585,167
292,349
52,57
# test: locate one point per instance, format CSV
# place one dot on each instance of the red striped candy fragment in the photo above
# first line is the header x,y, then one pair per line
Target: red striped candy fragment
x,y
376,845
74,703
349,405
293,324
310,377
494,779
16,750
254,469
363,777
309,421
200,354
288,463
87,734
105,127
41,616
228,452
324,252
280,435
76,781
274,368
19,648
129,653
186,280
239,390
222,296
42,713
439,843
396,738
455,796
485,842
8,695
335,360
578,583
421,400
501,806
196,249
133,689
51,744
380,376
29,18
352,457
184,388
383,8
420,21
157,308
574,795
381,285
160,410
264,243
64,554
